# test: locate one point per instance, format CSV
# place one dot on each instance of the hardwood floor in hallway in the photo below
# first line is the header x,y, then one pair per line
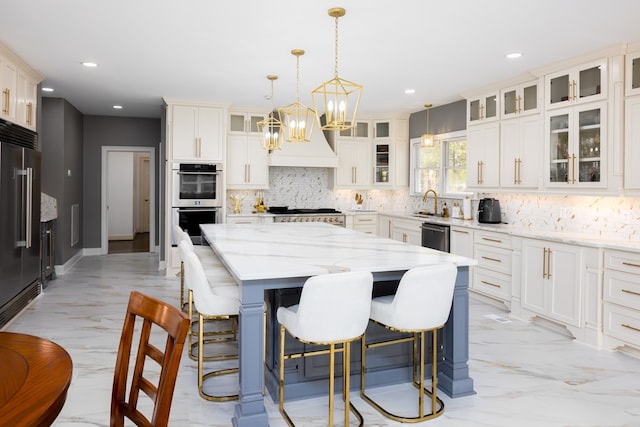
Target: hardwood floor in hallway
x,y
140,243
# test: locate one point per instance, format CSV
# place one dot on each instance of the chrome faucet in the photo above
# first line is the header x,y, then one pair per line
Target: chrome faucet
x,y
435,200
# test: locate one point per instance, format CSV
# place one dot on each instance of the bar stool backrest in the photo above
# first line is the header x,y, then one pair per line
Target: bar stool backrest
x,y
424,297
335,307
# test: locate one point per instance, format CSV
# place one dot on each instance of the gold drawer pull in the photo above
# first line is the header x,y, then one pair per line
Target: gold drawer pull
x,y
460,231
491,284
624,325
630,292
491,240
630,264
491,259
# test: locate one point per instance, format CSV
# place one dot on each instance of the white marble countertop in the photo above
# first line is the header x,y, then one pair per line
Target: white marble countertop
x,y
281,250
558,236
48,208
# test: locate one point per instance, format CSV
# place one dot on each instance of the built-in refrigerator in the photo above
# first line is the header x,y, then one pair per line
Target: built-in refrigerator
x,y
19,219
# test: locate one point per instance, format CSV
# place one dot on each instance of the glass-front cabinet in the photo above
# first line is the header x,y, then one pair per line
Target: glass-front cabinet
x,y
359,130
382,162
242,123
520,100
577,147
483,108
577,85
632,77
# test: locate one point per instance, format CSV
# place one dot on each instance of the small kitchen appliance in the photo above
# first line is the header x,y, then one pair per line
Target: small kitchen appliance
x,y
489,211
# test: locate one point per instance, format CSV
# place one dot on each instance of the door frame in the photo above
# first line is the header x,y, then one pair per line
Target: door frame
x,y
104,238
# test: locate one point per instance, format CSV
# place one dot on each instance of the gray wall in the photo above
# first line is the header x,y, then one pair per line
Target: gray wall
x,y
61,146
102,131
442,119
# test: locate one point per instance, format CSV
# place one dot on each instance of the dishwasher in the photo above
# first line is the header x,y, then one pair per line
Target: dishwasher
x,y
435,236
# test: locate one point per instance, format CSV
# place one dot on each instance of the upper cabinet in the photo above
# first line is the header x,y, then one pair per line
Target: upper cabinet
x,y
585,83
483,148
484,108
632,73
247,164
521,147
354,164
632,143
391,153
244,123
197,133
359,131
520,100
18,90
576,146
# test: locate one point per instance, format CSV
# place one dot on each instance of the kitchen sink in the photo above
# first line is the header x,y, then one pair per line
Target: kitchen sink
x,y
424,214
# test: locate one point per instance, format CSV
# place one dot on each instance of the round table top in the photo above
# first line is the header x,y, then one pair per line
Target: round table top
x,y
34,379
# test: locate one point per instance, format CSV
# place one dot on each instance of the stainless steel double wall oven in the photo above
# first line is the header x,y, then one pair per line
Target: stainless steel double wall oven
x,y
197,196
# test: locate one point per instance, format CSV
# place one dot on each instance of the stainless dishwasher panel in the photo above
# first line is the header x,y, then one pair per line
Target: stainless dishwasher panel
x,y
435,236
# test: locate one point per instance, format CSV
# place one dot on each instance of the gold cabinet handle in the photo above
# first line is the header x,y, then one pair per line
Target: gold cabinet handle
x,y
481,112
518,106
519,171
624,325
7,105
492,240
630,264
627,291
490,284
460,231
575,90
29,113
573,168
491,259
544,264
515,171
549,263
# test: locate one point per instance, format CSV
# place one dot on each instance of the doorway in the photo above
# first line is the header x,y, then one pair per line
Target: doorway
x,y
128,193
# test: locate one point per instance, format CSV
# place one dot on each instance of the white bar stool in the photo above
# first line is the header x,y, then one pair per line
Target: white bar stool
x,y
211,305
333,309
421,304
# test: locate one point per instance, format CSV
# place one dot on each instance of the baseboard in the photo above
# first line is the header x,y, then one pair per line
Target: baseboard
x,y
61,269
92,251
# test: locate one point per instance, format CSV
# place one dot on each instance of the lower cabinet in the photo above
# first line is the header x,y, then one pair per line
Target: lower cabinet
x,y
407,231
621,299
367,223
248,219
563,283
492,275
461,243
384,226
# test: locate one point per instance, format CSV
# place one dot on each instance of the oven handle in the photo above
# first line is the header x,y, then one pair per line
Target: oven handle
x,y
198,173
197,210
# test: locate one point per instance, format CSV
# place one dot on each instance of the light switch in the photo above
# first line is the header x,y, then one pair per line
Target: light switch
x,y
68,172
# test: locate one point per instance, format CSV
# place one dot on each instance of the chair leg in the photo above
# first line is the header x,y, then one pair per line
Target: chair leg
x,y
202,376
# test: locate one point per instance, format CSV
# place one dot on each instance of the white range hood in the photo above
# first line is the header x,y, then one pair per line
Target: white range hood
x,y
314,154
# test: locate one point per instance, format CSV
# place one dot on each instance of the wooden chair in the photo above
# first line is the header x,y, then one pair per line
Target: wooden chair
x,y
175,323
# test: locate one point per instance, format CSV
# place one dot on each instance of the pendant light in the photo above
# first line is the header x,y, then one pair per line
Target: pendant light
x,y
270,129
338,99
296,117
427,138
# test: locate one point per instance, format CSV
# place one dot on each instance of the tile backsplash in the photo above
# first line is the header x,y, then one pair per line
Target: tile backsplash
x,y
615,218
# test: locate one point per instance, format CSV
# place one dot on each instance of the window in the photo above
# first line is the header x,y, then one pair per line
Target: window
x,y
442,167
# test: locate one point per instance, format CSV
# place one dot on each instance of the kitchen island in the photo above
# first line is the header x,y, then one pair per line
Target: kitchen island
x,y
263,257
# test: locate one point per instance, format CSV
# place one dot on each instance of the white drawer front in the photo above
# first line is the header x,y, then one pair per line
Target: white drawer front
x,y
499,240
623,261
622,323
622,288
493,258
492,283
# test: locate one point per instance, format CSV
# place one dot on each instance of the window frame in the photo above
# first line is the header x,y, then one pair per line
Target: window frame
x,y
443,139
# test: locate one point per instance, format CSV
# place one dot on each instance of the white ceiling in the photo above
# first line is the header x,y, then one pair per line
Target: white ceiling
x,y
223,50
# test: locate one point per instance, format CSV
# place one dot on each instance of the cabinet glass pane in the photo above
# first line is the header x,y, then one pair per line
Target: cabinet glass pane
x,y
236,123
474,110
254,123
382,163
530,98
382,130
635,73
589,146
491,106
362,130
346,132
559,149
590,82
559,90
509,102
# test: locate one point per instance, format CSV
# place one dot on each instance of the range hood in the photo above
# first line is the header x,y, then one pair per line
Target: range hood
x,y
314,154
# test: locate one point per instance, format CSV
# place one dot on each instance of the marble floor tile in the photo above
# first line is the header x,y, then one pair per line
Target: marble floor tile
x,y
524,375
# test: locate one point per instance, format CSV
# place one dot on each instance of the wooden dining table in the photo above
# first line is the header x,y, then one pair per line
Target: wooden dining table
x,y
35,374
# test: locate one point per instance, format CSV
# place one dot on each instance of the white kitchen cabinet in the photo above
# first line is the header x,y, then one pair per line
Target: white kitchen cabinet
x,y
247,163
492,275
520,100
9,84
632,73
621,299
245,123
385,226
354,164
521,145
407,231
483,108
359,131
248,219
632,143
366,223
197,133
391,153
576,147
461,243
552,281
584,83
483,156
26,100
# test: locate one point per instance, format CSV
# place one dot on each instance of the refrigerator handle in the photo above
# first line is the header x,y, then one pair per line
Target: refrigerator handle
x,y
29,209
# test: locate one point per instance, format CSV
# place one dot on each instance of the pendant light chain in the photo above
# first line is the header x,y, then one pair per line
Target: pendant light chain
x,y
335,72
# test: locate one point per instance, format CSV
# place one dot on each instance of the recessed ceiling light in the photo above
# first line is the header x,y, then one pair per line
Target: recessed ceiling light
x,y
90,64
117,107
409,91
47,89
513,55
